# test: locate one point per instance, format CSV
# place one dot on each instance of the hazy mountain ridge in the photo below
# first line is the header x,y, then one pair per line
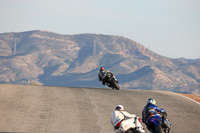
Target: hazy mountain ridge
x,y
48,58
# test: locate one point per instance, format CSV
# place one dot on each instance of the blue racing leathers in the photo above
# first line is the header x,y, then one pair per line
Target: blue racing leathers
x,y
151,115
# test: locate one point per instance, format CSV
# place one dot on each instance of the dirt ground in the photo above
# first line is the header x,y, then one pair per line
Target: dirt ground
x,y
192,96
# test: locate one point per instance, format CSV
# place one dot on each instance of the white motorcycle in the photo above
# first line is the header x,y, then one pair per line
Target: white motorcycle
x,y
132,125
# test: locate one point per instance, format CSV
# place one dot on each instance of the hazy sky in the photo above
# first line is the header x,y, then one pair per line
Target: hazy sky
x,y
168,27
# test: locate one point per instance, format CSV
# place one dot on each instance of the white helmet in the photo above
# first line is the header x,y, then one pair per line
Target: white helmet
x,y
118,107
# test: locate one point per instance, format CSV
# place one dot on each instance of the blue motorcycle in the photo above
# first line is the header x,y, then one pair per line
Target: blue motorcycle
x,y
160,123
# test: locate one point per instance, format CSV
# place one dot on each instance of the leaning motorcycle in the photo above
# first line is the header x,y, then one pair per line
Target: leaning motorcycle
x,y
111,81
132,125
161,123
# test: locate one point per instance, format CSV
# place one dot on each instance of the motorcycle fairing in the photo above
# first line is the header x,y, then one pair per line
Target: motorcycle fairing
x,y
155,119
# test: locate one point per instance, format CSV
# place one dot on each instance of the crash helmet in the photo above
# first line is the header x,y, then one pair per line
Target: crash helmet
x,y
102,68
151,101
119,107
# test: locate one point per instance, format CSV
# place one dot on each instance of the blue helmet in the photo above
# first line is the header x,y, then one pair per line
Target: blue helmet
x,y
151,101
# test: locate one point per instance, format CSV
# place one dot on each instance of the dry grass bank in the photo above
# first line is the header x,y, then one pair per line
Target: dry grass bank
x,y
192,96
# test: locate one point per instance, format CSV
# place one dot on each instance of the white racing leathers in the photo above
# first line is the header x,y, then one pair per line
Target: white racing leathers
x,y
123,121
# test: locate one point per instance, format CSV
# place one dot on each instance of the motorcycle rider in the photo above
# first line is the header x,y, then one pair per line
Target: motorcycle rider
x,y
119,115
102,75
149,113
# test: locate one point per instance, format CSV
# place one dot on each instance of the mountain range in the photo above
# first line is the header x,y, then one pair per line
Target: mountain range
x,y
51,59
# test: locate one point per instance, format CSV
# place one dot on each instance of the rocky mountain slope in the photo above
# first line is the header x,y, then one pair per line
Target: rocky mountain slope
x,y
47,58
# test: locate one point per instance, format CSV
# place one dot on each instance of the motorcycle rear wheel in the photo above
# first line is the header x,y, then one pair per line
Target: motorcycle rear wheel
x,y
158,129
131,131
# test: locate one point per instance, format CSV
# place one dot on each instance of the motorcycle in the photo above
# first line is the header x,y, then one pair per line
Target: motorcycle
x,y
132,125
111,81
161,123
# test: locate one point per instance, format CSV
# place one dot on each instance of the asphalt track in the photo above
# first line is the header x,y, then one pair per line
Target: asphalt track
x,y
44,109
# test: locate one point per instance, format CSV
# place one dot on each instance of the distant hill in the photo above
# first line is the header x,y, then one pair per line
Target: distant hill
x,y
47,58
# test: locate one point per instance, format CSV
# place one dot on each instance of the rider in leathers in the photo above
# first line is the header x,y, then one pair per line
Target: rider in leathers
x,y
118,116
102,75
149,113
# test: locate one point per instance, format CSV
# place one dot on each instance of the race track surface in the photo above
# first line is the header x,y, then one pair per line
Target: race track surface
x,y
44,109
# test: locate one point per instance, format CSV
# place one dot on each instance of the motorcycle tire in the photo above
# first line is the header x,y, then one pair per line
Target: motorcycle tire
x,y
115,85
131,131
158,129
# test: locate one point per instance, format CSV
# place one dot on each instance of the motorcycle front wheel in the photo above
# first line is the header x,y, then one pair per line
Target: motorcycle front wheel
x,y
115,84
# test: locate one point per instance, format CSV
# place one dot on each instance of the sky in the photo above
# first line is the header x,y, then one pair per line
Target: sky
x,y
170,28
